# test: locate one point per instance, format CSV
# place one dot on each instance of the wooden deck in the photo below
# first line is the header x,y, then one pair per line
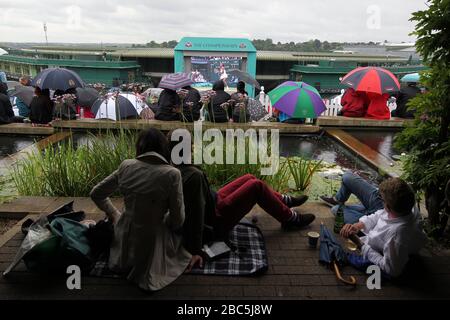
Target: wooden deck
x,y
91,124
340,121
26,129
294,271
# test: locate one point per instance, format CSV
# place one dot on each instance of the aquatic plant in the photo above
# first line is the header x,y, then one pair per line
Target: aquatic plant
x,y
66,170
302,171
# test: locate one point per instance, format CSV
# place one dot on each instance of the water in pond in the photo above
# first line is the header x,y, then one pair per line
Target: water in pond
x,y
381,141
323,148
316,147
12,144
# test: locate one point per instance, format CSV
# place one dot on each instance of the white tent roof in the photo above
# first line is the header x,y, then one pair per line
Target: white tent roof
x,y
3,51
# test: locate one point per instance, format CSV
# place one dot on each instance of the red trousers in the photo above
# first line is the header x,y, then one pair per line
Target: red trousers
x,y
237,198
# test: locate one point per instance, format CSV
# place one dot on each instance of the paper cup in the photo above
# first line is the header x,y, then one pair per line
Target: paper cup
x,y
313,238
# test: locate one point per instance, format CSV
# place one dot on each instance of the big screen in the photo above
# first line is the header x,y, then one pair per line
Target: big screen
x,y
206,70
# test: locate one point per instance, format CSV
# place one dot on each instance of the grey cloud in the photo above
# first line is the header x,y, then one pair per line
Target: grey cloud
x,y
136,21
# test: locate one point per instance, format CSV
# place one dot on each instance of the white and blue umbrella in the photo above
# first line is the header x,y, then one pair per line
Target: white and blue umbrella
x,y
118,106
411,77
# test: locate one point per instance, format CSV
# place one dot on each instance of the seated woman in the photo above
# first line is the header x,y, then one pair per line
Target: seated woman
x,y
6,111
284,118
191,104
147,235
168,106
41,107
240,103
378,108
354,104
220,110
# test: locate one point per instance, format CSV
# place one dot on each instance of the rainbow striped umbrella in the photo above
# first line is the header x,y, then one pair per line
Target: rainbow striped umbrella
x,y
297,99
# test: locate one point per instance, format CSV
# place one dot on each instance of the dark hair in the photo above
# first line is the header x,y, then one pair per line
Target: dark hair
x,y
241,87
219,86
152,140
398,196
3,88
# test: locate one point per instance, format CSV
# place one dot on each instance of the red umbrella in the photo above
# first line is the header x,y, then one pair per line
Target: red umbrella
x,y
372,79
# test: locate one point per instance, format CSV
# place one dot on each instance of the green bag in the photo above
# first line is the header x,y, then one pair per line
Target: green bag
x,y
67,245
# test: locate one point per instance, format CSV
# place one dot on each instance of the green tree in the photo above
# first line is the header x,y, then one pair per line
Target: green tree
x,y
427,166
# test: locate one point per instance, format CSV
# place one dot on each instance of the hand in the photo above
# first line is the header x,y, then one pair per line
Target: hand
x,y
196,259
348,230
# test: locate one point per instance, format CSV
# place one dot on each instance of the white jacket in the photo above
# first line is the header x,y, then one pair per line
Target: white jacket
x,y
389,242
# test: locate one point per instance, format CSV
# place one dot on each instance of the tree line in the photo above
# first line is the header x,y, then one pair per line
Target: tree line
x,y
268,44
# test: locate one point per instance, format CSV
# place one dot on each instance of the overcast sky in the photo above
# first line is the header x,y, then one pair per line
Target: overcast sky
x,y
133,21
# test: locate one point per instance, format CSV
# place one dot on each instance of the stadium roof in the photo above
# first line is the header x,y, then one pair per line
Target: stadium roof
x,y
261,55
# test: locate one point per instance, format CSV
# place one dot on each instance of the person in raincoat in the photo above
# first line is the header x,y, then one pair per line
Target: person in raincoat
x,y
378,108
406,93
147,241
354,104
169,104
220,111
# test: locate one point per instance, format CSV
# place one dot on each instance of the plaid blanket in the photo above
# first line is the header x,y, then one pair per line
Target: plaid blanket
x,y
247,257
248,254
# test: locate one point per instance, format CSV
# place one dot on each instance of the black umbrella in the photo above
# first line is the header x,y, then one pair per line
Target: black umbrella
x,y
244,76
24,93
332,254
87,96
57,79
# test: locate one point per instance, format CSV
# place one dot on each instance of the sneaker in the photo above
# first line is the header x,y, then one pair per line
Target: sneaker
x,y
291,201
301,221
329,201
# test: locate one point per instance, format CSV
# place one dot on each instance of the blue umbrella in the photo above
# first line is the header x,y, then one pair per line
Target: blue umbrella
x,y
57,79
332,254
411,77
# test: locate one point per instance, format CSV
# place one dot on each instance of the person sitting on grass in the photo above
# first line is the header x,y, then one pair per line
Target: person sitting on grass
x,y
392,234
367,194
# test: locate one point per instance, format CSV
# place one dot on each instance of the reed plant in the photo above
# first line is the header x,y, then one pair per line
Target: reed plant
x,y
302,171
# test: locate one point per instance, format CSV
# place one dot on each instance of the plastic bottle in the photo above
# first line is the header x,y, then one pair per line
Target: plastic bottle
x,y
339,220
81,113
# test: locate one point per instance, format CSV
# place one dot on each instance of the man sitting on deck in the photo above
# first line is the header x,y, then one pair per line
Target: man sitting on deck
x,y
392,233
367,194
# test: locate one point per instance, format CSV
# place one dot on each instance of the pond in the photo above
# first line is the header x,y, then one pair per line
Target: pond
x,y
12,144
321,147
381,141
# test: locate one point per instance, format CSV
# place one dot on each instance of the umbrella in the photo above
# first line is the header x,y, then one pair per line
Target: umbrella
x,y
3,51
118,106
297,99
371,79
256,110
24,93
411,77
244,76
57,79
87,96
332,254
175,81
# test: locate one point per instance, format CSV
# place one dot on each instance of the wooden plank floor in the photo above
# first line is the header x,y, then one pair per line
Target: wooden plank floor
x,y
340,121
25,128
92,124
294,271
